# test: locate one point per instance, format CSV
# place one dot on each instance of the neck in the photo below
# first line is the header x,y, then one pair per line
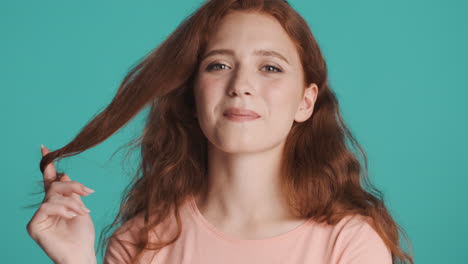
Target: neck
x,y
244,188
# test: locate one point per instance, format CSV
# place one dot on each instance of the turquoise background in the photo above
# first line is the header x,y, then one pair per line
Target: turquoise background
x,y
398,67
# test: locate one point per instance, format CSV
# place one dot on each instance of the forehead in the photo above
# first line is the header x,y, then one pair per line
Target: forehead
x,y
245,32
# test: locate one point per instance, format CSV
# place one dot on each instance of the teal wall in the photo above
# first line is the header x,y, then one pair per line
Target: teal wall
x,y
397,67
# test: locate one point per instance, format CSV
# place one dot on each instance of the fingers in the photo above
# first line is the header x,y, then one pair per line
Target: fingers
x,y
49,170
67,187
73,195
59,201
57,206
69,204
76,195
63,208
64,186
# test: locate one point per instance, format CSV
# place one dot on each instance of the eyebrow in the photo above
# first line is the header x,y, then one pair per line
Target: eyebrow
x,y
256,52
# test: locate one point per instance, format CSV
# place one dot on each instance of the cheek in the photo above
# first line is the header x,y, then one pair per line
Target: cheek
x,y
209,86
281,97
208,93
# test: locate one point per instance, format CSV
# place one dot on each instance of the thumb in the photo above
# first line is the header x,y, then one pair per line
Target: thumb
x,y
75,196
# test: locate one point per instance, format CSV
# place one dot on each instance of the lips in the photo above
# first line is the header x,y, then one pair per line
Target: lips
x,y
233,111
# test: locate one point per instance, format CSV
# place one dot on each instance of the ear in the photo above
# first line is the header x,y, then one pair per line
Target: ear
x,y
306,106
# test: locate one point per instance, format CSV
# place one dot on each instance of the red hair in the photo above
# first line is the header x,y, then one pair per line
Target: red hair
x,y
321,176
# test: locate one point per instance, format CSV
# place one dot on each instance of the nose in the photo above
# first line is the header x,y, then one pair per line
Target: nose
x,y
240,83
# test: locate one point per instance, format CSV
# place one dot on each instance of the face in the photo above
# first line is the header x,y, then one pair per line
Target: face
x,y
259,70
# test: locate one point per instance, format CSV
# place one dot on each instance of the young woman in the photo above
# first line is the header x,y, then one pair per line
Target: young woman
x,y
244,157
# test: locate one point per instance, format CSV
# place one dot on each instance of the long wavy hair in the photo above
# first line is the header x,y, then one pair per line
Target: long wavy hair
x,y
318,159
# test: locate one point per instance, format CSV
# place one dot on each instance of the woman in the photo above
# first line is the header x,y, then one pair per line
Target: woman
x,y
244,155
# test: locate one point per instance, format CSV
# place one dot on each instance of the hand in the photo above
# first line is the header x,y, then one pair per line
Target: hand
x,y
61,226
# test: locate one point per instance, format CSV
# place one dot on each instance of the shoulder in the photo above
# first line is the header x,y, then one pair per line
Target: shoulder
x,y
356,241
120,247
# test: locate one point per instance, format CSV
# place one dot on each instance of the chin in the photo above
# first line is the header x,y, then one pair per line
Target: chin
x,y
234,146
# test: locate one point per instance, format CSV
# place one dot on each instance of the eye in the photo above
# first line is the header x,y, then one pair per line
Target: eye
x,y
213,67
273,67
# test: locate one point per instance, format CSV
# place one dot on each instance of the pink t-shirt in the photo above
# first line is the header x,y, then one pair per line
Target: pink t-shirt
x,y
351,241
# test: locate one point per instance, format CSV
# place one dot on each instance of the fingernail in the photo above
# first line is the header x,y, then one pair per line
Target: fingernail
x,y
88,190
42,146
86,209
70,213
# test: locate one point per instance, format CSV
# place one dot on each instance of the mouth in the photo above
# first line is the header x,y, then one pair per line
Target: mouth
x,y
240,114
240,118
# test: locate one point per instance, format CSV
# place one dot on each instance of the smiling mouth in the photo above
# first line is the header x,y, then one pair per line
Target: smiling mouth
x,y
240,118
240,112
